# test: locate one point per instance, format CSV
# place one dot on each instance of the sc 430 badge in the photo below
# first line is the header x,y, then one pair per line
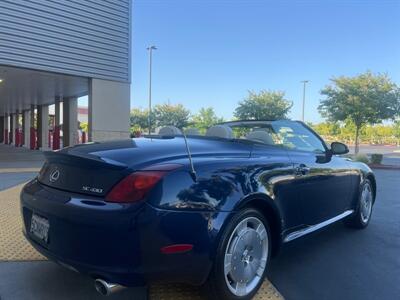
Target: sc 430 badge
x,y
92,189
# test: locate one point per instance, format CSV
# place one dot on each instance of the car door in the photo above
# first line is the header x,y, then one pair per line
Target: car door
x,y
322,181
277,178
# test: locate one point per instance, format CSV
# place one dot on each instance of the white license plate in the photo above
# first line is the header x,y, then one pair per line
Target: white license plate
x,y
40,228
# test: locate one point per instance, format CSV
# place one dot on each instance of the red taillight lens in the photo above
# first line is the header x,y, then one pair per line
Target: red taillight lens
x,y
134,187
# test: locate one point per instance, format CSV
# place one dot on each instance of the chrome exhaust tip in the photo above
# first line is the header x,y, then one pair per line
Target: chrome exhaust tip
x,y
105,288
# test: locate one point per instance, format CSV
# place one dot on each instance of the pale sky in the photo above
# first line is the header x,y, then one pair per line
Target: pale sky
x,y
211,52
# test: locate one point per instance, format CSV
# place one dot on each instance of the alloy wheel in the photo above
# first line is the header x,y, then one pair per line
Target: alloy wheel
x,y
366,203
246,256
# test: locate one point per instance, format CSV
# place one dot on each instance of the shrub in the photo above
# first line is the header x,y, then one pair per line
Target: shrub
x,y
376,158
361,158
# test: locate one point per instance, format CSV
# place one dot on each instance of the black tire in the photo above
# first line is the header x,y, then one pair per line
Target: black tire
x,y
356,220
216,286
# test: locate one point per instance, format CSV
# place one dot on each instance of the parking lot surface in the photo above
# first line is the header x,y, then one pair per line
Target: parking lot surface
x,y
343,263
335,263
25,274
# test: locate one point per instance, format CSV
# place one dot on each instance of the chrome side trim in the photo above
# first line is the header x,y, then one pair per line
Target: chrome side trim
x,y
294,235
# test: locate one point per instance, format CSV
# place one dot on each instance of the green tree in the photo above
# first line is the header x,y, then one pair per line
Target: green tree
x,y
171,115
84,126
363,99
139,119
379,134
347,131
205,118
328,130
264,105
396,132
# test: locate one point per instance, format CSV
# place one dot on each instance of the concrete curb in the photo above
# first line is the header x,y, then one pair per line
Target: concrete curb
x,y
384,167
19,170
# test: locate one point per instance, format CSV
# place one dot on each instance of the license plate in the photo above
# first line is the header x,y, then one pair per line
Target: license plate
x,y
40,228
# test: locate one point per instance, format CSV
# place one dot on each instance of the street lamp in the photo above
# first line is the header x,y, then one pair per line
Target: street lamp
x,y
150,49
304,97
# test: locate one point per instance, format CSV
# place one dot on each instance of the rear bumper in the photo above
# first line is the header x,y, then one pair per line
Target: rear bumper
x,y
114,275
121,243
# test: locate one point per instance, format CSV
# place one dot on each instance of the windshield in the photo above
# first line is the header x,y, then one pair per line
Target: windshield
x,y
284,133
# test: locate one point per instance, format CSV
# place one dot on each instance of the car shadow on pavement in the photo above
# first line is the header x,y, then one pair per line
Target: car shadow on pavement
x,y
341,263
46,280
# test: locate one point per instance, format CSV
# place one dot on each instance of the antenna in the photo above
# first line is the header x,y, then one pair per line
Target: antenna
x,y
192,170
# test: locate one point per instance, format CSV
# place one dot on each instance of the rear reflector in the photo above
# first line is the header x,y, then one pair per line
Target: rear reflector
x,y
178,248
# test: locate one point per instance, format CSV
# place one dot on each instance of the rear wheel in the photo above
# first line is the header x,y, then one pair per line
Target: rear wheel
x,y
361,217
242,257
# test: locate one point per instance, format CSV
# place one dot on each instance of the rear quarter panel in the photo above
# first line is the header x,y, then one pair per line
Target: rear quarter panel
x,y
226,184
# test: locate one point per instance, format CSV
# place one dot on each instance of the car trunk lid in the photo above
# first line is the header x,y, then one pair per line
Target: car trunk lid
x,y
86,174
95,168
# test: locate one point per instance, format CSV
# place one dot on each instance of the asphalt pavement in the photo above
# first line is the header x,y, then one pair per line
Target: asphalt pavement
x,y
334,263
10,179
343,263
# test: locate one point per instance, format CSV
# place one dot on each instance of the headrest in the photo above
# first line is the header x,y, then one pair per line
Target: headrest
x,y
192,131
260,136
221,131
169,131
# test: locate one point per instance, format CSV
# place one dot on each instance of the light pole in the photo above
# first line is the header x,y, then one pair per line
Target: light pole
x,y
304,97
150,49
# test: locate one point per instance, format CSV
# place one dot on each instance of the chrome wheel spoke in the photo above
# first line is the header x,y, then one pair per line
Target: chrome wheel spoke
x,y
240,288
364,210
364,194
228,263
241,228
261,231
260,271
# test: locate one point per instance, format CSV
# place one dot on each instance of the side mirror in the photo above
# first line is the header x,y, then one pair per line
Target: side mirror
x,y
339,148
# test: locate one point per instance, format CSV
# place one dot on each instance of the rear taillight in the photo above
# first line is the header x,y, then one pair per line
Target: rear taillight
x,y
136,186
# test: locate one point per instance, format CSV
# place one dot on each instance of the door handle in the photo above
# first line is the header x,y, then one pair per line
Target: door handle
x,y
302,170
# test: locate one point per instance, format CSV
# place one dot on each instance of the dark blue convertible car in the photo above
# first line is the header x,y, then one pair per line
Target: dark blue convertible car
x,y
201,209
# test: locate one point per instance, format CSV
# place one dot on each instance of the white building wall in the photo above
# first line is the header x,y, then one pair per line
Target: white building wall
x,y
109,109
78,37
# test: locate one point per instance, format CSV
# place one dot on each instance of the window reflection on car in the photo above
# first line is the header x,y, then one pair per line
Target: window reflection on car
x,y
288,134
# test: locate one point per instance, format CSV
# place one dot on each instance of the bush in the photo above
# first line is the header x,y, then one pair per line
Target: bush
x,y
361,158
376,158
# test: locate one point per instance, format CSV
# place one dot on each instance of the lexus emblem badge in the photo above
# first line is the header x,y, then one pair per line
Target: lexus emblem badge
x,y
54,176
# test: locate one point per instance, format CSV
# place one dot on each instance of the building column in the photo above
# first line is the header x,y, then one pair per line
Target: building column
x,y
57,124
22,142
2,121
32,131
12,129
17,130
109,107
70,121
6,129
26,126
43,127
